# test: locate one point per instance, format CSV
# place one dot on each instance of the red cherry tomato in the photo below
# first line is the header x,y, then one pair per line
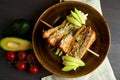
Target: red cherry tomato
x,y
31,57
34,69
21,55
11,56
21,65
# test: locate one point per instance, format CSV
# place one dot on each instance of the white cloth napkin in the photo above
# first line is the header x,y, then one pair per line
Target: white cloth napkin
x,y
104,71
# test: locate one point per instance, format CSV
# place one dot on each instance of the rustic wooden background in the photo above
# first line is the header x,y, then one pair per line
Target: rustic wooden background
x,y
31,9
111,11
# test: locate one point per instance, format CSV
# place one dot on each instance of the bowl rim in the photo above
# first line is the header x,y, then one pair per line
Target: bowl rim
x,y
67,2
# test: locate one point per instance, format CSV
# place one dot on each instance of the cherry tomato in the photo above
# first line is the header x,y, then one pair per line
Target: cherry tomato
x,y
21,65
31,57
34,69
22,55
11,56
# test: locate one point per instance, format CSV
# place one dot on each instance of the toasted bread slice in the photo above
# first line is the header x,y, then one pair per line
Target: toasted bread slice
x,y
47,33
67,43
89,40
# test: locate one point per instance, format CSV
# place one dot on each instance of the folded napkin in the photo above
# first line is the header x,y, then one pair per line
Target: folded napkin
x,y
104,71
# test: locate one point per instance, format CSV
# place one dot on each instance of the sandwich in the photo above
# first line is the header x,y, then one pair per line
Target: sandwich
x,y
73,38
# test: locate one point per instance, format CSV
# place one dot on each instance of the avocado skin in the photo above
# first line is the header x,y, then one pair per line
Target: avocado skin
x,y
18,28
23,44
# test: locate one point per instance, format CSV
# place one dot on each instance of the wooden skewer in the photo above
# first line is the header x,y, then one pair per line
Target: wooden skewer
x,y
46,24
94,53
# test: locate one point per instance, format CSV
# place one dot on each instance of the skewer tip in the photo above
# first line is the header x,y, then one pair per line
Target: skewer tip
x,y
93,52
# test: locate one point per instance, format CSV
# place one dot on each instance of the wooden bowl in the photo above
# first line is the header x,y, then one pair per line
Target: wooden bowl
x,y
54,15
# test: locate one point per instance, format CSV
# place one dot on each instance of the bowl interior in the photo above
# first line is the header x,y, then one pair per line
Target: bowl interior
x,y
54,16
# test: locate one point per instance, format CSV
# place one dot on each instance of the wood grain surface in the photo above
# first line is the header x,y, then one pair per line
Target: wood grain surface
x,y
111,11
31,10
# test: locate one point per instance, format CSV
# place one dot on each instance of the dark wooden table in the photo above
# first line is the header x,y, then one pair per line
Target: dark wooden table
x,y
31,10
111,11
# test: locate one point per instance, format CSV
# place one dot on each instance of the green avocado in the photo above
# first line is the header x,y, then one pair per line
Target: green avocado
x,y
69,68
75,16
73,60
80,16
18,28
73,21
15,44
71,63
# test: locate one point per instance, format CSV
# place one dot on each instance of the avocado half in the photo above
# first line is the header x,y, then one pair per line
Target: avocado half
x,y
15,44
